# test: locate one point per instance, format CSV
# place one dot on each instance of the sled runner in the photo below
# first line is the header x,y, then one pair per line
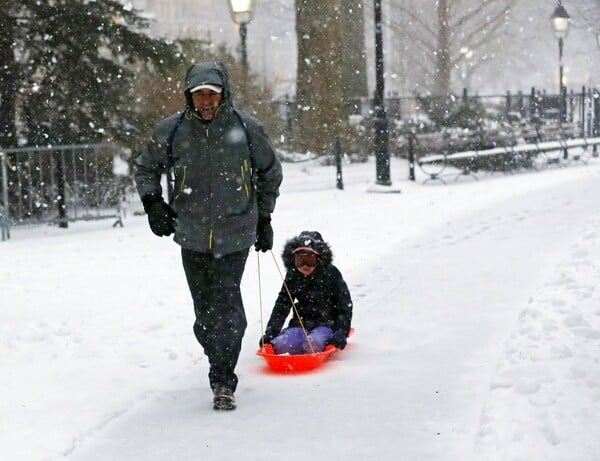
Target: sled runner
x,y
286,363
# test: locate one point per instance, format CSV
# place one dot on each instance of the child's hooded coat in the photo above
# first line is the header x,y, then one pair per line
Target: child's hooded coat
x,y
321,299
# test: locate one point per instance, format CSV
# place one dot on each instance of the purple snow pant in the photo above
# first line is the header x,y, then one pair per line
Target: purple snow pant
x,y
293,340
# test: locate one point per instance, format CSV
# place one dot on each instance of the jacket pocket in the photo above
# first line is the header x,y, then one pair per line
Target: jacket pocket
x,y
238,197
246,178
180,179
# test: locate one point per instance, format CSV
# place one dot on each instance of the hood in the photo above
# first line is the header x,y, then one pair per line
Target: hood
x,y
211,72
310,239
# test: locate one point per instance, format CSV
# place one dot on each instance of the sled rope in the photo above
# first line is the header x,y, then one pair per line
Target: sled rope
x,y
292,301
260,304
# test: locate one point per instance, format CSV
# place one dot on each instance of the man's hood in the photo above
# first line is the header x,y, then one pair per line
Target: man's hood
x,y
212,73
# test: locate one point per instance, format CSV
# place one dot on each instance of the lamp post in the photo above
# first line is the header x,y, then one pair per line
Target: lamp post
x,y
466,54
242,12
560,25
596,106
382,155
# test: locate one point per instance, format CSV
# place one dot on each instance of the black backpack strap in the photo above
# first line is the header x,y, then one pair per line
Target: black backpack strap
x,y
248,137
171,161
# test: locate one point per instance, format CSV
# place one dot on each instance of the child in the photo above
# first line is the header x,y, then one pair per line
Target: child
x,y
321,299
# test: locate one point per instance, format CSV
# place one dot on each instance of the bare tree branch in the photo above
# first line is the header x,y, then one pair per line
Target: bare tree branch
x,y
417,19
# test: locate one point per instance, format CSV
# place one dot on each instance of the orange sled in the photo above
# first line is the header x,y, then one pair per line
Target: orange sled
x,y
287,363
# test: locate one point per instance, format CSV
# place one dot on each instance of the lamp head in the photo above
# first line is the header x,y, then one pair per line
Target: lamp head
x,y
560,21
242,11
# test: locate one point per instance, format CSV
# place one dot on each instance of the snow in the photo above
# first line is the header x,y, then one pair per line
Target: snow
x,y
477,321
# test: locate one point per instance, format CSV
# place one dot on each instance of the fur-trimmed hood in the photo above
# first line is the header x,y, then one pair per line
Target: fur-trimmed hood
x,y
310,239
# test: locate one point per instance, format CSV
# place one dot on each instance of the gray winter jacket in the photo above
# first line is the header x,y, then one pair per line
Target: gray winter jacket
x,y
220,189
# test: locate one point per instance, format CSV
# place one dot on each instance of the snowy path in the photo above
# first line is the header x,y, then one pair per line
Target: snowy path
x,y
415,380
477,332
544,398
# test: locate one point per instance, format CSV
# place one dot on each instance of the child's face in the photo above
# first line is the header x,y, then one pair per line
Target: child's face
x,y
305,262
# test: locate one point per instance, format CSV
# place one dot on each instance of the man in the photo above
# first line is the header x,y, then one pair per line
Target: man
x,y
226,182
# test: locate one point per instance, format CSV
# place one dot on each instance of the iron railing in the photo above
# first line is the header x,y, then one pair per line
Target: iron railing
x,y
61,184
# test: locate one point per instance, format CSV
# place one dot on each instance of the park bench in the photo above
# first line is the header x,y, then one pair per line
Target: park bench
x,y
506,159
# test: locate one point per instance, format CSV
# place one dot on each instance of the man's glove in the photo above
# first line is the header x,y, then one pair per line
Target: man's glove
x,y
161,216
338,339
264,234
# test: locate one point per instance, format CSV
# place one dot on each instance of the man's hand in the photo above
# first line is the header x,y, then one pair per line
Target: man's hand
x,y
161,216
264,234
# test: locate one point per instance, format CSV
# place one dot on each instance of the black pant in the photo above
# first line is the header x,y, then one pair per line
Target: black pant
x,y
220,318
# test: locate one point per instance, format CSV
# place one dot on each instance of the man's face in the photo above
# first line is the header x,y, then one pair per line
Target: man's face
x,y
206,102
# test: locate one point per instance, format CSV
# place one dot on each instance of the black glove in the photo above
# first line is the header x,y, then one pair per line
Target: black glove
x,y
265,339
338,339
264,234
161,216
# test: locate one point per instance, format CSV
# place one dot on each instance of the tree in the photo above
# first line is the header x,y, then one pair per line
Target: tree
x,y
321,110
444,35
68,66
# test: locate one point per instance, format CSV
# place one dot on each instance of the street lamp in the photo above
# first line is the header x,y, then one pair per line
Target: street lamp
x,y
560,25
382,155
242,12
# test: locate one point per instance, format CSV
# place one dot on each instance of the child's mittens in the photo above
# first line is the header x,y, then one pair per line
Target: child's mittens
x,y
265,339
338,339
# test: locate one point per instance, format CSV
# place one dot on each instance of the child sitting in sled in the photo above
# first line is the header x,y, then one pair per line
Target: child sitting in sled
x,y
321,299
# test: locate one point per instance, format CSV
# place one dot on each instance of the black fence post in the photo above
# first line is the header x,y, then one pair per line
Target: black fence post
x,y
60,186
534,109
339,183
589,113
521,104
596,103
571,101
289,120
4,209
411,155
582,115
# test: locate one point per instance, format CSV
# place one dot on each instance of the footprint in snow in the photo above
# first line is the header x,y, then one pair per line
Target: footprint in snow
x,y
580,254
501,382
550,434
541,400
526,386
586,332
549,326
575,320
560,352
593,381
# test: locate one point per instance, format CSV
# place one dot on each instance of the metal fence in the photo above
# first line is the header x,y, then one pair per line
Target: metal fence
x,y
61,184
580,108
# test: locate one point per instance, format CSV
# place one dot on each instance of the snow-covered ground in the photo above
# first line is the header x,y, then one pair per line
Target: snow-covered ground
x,y
477,316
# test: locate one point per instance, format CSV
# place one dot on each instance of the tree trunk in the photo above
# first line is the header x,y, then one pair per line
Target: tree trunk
x,y
321,110
442,74
354,61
